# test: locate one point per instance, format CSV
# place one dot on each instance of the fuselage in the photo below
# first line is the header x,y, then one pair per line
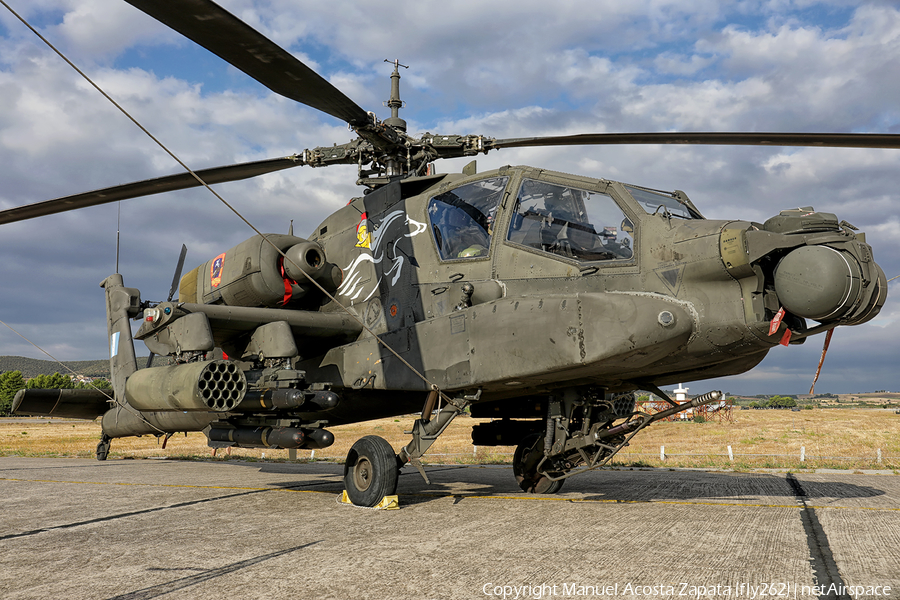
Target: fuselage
x,y
556,281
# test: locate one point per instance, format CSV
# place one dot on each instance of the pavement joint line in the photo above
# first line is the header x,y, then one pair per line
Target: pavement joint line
x,y
821,558
182,583
125,515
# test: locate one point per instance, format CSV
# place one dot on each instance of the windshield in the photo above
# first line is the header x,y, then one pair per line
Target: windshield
x,y
462,220
577,224
659,202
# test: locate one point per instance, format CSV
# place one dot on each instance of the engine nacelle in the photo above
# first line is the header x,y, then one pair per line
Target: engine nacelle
x,y
254,273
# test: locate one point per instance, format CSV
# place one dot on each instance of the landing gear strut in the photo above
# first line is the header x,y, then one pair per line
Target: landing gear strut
x,y
103,447
371,470
426,430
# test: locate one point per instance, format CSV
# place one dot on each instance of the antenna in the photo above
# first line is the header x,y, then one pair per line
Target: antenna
x,y
118,221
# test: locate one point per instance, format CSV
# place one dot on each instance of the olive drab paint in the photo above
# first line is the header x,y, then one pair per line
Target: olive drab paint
x,y
543,300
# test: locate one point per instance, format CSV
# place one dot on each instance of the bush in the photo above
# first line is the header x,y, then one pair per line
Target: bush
x,y
10,383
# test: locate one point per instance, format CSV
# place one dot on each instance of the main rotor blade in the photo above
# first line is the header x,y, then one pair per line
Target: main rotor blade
x,y
147,187
825,140
234,41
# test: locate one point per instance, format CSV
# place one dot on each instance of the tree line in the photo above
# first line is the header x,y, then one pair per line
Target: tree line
x,y
775,402
32,367
13,381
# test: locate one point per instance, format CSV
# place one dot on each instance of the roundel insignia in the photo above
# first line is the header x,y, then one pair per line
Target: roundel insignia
x,y
215,270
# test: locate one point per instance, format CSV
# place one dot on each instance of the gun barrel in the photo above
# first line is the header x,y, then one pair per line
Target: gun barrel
x,y
628,427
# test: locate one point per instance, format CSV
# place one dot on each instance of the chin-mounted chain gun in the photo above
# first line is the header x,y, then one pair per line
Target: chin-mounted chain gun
x,y
583,453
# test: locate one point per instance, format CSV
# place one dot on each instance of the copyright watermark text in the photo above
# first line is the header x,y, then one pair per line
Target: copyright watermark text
x,y
786,591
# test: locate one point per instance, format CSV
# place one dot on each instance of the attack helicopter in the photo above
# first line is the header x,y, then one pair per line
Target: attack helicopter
x,y
539,299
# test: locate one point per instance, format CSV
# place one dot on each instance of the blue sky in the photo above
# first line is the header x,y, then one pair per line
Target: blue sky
x,y
504,69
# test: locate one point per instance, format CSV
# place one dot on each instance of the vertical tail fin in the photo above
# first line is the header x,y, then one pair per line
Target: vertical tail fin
x,y
122,304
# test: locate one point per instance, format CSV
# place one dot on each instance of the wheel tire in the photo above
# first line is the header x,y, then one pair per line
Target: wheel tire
x,y
103,447
370,472
528,455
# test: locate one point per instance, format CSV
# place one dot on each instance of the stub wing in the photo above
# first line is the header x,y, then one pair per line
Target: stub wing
x,y
71,404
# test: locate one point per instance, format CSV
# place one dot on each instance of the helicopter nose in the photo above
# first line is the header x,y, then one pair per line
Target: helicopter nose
x,y
828,284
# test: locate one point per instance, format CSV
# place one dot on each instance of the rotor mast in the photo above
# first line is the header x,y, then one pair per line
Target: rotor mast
x,y
395,103
393,161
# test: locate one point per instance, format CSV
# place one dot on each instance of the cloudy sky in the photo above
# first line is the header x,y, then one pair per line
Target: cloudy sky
x,y
504,69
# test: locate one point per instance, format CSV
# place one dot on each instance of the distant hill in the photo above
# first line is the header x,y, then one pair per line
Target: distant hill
x,y
32,367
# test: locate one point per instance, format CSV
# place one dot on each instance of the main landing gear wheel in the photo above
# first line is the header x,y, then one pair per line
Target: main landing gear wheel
x,y
370,472
103,447
529,454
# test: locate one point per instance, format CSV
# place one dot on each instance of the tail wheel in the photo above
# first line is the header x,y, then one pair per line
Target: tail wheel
x,y
529,454
103,447
370,472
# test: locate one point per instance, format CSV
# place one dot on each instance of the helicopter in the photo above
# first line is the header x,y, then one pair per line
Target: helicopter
x,y
539,299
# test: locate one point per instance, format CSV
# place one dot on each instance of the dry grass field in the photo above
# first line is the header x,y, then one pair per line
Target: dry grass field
x,y
832,438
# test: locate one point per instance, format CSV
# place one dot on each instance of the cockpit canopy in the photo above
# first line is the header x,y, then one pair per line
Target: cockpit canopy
x,y
654,202
462,220
574,223
571,222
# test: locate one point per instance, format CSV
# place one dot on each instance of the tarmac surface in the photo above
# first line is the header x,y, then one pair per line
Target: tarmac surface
x,y
144,529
